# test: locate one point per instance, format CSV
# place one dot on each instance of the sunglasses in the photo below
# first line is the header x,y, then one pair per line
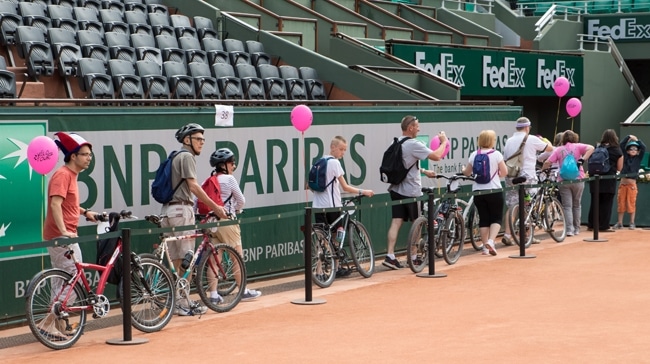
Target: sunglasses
x,y
633,149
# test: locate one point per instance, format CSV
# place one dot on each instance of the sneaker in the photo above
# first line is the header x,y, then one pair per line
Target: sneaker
x,y
191,309
576,231
507,240
53,335
417,261
632,226
216,299
536,241
485,251
490,247
342,272
391,263
618,226
569,233
250,294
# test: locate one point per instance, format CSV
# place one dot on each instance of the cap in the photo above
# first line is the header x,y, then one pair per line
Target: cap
x,y
522,122
70,142
631,144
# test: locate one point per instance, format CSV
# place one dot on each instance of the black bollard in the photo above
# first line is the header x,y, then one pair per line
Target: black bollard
x,y
595,209
430,231
522,225
307,254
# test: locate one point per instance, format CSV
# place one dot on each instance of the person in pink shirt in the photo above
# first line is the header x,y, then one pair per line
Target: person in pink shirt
x,y
571,194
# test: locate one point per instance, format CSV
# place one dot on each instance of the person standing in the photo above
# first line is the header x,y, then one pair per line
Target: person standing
x,y
489,206
331,197
571,194
413,151
224,164
607,186
180,210
531,146
627,190
63,211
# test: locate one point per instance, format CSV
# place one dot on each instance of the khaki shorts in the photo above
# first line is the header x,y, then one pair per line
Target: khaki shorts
x,y
178,215
626,199
230,235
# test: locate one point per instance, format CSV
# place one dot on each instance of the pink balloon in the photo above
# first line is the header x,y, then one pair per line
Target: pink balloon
x,y
42,154
301,117
561,86
573,107
435,143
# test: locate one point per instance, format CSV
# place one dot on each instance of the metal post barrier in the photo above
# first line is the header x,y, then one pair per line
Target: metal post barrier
x,y
595,209
126,295
307,251
522,225
431,246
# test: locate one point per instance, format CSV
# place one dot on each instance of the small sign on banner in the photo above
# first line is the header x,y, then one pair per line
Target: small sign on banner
x,y
224,115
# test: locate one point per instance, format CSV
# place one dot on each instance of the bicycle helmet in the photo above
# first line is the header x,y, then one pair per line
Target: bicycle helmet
x,y
188,129
220,156
632,144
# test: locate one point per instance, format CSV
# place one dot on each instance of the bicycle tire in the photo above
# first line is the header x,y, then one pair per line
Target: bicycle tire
x,y
152,295
418,245
513,220
451,238
230,274
470,215
361,249
323,264
42,314
555,220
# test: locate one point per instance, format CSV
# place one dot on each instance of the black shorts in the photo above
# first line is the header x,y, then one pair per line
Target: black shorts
x,y
405,211
490,208
327,217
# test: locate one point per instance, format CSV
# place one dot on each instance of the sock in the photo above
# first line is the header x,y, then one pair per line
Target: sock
x,y
391,256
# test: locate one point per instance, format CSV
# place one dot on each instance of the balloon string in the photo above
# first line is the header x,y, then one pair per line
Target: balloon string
x,y
557,117
571,123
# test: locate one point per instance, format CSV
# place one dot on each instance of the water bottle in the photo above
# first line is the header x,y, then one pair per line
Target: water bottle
x,y
187,259
527,199
340,234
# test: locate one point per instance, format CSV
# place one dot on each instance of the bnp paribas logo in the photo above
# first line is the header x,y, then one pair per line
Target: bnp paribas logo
x,y
20,187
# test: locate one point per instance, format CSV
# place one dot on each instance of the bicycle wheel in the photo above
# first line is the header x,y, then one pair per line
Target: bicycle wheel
x,y
221,278
417,249
322,259
48,299
361,249
152,295
470,215
513,220
452,238
554,220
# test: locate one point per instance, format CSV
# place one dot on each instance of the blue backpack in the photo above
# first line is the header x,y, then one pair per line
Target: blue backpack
x,y
569,168
161,187
318,175
481,167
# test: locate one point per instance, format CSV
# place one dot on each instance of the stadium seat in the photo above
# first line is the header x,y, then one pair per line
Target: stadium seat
x,y
119,47
296,89
36,52
66,50
115,5
62,17
92,45
157,8
168,45
193,51
34,15
256,50
94,80
182,26
153,82
113,21
90,4
135,5
160,24
180,84
315,87
9,22
137,22
146,49
205,85
236,51
68,3
214,50
230,85
125,82
251,84
204,27
88,19
274,86
7,81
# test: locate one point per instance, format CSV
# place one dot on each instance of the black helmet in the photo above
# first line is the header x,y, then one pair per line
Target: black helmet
x,y
219,156
188,129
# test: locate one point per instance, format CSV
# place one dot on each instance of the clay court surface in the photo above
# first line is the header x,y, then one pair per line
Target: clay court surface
x,y
576,302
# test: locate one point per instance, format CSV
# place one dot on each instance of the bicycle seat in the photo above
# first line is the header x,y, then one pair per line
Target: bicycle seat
x,y
518,180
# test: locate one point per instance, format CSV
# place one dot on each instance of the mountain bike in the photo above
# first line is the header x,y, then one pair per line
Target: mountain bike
x,y
326,251
471,218
449,229
57,301
215,268
543,211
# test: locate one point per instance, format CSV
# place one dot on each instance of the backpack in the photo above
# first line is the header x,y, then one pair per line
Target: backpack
x,y
212,188
515,162
599,161
569,168
481,167
318,175
392,168
105,250
161,187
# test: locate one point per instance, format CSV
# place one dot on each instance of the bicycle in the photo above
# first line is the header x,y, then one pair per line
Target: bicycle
x,y
544,211
449,229
57,301
326,252
215,267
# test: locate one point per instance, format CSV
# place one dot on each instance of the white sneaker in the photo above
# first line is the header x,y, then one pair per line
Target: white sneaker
x,y
187,307
250,294
491,248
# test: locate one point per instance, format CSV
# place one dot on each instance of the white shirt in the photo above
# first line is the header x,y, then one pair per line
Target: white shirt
x,y
495,158
324,199
531,148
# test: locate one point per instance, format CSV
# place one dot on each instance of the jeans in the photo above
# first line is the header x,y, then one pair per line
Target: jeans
x,y
571,196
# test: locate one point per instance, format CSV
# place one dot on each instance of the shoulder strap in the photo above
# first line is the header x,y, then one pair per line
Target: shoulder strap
x,y
172,157
521,148
216,181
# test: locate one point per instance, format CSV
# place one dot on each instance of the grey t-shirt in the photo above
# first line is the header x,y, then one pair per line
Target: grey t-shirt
x,y
412,152
183,167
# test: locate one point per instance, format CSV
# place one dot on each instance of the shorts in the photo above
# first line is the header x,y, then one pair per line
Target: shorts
x,y
230,235
512,196
178,215
490,209
627,198
405,211
328,218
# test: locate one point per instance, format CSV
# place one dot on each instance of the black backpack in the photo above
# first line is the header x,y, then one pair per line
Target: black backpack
x,y
392,168
599,161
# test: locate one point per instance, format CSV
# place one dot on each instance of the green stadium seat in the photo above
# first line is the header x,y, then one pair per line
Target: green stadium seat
x,y
644,161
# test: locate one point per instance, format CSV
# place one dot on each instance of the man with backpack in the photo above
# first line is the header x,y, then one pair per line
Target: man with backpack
x,y
327,187
222,188
524,148
412,152
180,210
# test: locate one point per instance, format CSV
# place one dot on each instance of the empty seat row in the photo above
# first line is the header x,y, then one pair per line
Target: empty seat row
x,y
133,5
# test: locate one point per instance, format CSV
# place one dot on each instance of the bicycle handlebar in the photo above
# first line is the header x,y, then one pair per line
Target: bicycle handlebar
x,y
450,179
104,216
155,219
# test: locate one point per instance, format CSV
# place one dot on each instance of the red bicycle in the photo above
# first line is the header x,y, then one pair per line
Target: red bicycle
x,y
57,301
